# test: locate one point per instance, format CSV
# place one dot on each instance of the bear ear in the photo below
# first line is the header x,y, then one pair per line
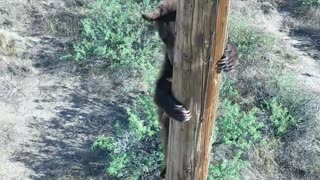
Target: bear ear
x,y
157,16
151,16
166,11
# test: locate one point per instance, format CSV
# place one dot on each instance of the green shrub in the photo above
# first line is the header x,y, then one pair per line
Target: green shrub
x,y
115,32
249,39
227,169
138,113
136,152
280,117
118,164
306,4
237,131
104,143
238,128
227,90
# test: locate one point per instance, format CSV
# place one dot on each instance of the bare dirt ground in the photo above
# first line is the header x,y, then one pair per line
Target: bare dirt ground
x,y
303,45
50,112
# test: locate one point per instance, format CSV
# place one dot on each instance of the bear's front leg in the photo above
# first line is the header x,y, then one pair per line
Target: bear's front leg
x,y
229,59
168,103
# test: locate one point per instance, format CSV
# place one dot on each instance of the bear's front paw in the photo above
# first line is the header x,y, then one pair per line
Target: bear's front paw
x,y
180,113
229,59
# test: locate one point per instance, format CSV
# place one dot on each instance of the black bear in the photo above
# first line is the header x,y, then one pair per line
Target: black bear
x,y
164,17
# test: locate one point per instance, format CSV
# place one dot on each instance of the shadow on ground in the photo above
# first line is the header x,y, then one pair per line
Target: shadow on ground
x,y
309,41
63,148
305,32
72,105
69,116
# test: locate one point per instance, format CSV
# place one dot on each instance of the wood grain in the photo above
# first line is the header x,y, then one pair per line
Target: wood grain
x,y
190,143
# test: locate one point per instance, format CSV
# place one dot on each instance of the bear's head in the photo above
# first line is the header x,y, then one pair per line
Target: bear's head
x,y
164,17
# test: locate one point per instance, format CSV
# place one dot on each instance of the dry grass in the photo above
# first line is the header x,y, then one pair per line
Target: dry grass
x,y
310,22
296,156
7,46
263,161
313,16
66,24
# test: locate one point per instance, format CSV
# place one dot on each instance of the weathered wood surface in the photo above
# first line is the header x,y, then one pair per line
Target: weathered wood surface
x,y
190,143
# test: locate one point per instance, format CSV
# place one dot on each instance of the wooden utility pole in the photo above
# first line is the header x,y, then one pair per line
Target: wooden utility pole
x,y
201,35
